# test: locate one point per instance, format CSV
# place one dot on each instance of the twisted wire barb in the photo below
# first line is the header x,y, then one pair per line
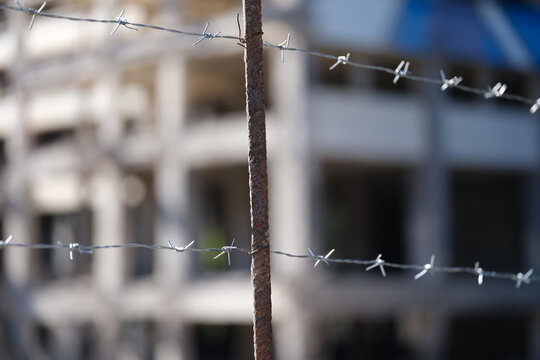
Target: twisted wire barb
x,y
282,47
88,249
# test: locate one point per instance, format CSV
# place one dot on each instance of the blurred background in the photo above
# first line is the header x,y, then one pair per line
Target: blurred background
x,y
141,137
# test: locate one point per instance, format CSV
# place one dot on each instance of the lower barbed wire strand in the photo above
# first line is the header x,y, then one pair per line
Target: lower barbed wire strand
x,y
416,267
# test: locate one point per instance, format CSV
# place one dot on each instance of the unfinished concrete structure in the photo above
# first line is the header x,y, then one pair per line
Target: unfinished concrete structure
x,y
141,137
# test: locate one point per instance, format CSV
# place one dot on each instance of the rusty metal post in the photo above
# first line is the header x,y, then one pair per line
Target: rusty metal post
x,y
258,182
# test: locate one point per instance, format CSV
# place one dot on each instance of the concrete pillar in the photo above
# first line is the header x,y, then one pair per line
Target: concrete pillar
x,y
106,193
291,163
172,177
173,342
429,203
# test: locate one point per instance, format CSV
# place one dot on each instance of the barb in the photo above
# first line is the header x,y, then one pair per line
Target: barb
x,y
181,248
378,262
206,35
535,107
340,60
480,272
227,250
122,21
401,71
36,12
496,91
520,278
320,257
6,242
284,46
75,246
427,267
450,83
476,271
398,73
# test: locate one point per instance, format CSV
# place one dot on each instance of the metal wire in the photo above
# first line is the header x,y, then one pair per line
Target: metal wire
x,y
519,278
284,46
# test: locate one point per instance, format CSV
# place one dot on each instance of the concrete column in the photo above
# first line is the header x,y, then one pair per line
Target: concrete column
x,y
172,177
18,262
173,342
429,222
106,193
291,163
66,342
297,336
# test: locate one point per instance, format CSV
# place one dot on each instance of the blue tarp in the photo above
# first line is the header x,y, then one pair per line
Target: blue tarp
x,y
526,21
449,29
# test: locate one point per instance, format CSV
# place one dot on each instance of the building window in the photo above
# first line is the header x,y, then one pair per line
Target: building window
x,y
216,87
364,213
44,339
53,137
494,337
137,339
487,218
222,200
375,339
4,79
471,77
517,84
2,252
77,341
223,342
139,201
3,20
66,228
137,100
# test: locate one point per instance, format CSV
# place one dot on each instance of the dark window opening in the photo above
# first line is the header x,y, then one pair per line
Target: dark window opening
x,y
223,342
223,199
216,86
365,340
2,252
137,340
4,78
51,137
3,19
137,101
64,228
44,338
139,200
517,84
87,342
470,78
364,213
494,337
487,220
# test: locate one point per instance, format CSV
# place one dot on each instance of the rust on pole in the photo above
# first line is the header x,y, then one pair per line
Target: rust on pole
x,y
258,182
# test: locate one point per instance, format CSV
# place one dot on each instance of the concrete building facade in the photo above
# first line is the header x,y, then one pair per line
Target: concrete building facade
x,y
141,137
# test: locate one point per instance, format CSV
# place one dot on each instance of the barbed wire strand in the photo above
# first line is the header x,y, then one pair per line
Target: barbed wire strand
x,y
519,278
284,46
430,267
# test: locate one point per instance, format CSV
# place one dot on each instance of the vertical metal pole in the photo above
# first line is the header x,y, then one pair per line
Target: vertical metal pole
x,y
258,182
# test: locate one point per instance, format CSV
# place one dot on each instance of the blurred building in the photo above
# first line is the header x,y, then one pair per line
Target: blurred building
x,y
141,137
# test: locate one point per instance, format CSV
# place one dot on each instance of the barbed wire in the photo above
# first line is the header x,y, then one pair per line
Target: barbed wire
x,y
519,278
402,71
